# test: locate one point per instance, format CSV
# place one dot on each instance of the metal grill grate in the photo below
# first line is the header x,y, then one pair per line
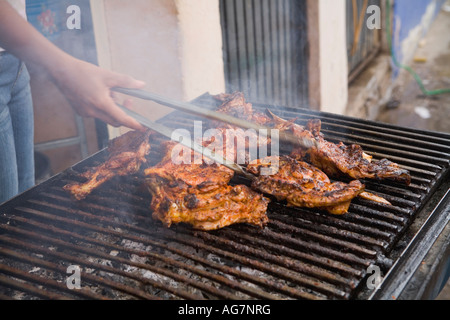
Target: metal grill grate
x,y
302,254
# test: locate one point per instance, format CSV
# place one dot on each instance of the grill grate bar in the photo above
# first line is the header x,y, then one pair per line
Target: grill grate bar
x,y
142,253
340,222
281,272
70,258
382,208
302,253
27,276
146,220
11,283
105,200
402,140
326,240
187,239
394,192
298,279
411,152
286,249
102,219
304,267
298,225
361,207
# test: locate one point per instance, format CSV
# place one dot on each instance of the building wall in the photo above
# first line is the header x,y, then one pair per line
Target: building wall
x,y
332,56
174,46
411,20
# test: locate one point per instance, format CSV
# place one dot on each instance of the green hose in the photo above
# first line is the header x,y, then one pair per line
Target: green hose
x,y
407,68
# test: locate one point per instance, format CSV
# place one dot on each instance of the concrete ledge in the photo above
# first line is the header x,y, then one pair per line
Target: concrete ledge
x,y
370,90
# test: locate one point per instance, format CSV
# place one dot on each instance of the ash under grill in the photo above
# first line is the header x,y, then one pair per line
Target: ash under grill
x,y
302,253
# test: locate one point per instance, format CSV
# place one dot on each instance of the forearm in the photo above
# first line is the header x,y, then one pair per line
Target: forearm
x,y
20,38
86,86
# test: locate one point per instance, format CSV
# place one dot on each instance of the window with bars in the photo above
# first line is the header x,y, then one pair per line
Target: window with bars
x,y
363,43
265,50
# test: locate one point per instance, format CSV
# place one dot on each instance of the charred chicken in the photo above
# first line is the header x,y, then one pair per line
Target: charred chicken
x,y
199,194
126,155
340,160
303,185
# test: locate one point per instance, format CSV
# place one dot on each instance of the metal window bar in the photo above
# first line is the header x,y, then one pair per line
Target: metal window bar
x,y
363,44
265,53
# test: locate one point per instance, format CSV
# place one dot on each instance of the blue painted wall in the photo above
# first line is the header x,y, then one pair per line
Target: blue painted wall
x,y
409,13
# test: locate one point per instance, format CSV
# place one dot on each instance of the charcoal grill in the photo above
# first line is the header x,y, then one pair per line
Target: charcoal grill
x,y
302,253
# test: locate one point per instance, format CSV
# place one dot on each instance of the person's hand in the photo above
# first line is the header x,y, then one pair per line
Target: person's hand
x,y
87,88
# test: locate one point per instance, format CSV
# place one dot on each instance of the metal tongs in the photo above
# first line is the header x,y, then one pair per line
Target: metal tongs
x,y
186,141
195,110
209,114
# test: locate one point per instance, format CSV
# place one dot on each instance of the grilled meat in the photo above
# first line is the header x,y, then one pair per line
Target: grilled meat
x,y
126,154
235,105
340,160
206,208
336,160
349,161
303,185
199,194
181,164
373,197
237,144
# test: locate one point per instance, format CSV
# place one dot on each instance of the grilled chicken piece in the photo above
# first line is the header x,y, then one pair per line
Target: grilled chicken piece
x,y
303,185
373,197
188,167
340,160
235,105
351,161
206,208
126,155
236,144
199,194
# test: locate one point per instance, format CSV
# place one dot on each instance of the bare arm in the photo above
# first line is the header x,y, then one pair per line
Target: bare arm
x,y
86,86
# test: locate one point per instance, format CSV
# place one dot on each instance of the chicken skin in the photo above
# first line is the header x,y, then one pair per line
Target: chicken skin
x,y
303,185
199,194
340,160
126,154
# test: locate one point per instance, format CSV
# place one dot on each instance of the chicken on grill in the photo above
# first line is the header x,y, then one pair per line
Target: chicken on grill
x,y
199,194
126,154
349,161
303,185
237,144
182,164
235,105
340,160
354,165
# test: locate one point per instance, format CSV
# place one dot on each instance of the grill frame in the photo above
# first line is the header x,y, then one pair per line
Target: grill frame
x,y
272,250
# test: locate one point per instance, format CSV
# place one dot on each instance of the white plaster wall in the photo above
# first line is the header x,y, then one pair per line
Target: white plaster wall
x,y
174,46
333,56
200,47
